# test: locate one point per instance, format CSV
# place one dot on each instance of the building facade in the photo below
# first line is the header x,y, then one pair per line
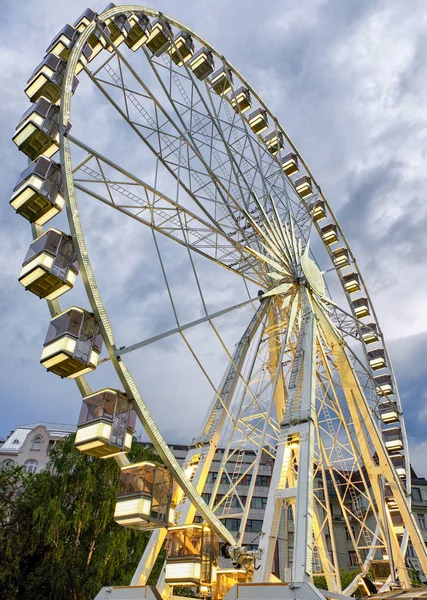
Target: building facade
x,y
29,445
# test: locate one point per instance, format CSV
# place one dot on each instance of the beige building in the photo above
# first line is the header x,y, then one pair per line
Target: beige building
x,y
29,445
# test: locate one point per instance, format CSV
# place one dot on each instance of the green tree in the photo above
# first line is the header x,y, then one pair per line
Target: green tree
x,y
58,539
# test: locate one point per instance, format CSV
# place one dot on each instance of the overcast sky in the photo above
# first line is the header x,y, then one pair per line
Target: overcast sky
x,y
346,78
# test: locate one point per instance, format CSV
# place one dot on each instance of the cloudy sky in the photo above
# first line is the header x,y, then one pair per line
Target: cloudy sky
x,y
346,80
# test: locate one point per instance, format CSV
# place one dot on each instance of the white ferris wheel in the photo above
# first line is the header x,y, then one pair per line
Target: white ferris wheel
x,y
197,161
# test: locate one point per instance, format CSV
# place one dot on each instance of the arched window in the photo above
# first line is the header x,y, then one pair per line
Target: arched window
x,y
37,442
31,466
7,462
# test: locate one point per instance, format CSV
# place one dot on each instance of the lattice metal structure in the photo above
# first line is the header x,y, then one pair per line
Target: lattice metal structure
x,y
197,159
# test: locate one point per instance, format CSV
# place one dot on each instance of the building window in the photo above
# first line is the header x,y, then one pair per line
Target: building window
x,y
421,521
211,478
37,442
416,494
253,525
232,524
252,546
262,480
258,502
7,463
352,559
30,466
347,533
411,551
198,519
224,478
206,498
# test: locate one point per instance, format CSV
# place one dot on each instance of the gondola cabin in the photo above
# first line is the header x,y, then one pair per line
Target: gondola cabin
x,y
73,344
369,333
290,164
159,40
227,578
329,233
258,120
106,424
241,100
138,28
361,307
351,283
274,142
377,359
341,258
50,267
182,48
192,557
46,80
38,194
96,40
384,385
380,571
303,186
318,210
388,412
221,81
63,43
398,461
202,63
393,439
144,497
116,27
37,133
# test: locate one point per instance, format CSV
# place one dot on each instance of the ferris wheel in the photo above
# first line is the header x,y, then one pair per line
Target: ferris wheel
x,y
181,146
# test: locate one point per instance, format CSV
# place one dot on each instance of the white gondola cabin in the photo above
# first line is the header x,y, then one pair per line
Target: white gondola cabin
x,y
303,186
240,99
369,333
384,385
160,37
361,307
37,133
388,412
351,282
144,497
393,438
341,257
258,120
116,28
50,267
377,359
106,424
290,164
46,80
221,81
138,28
226,578
63,43
202,64
317,210
274,141
38,194
192,557
96,40
398,461
182,48
329,233
73,344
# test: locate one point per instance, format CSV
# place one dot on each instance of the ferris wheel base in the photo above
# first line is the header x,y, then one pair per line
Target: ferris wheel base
x,y
243,591
275,591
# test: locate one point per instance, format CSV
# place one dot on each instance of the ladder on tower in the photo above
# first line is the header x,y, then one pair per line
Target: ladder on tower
x,y
236,474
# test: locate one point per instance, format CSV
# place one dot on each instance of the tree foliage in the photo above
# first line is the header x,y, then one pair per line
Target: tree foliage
x,y
58,539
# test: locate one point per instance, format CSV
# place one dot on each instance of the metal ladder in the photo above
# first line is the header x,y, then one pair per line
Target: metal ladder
x,y
236,473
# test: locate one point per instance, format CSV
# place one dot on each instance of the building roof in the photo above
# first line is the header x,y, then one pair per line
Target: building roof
x,y
17,438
